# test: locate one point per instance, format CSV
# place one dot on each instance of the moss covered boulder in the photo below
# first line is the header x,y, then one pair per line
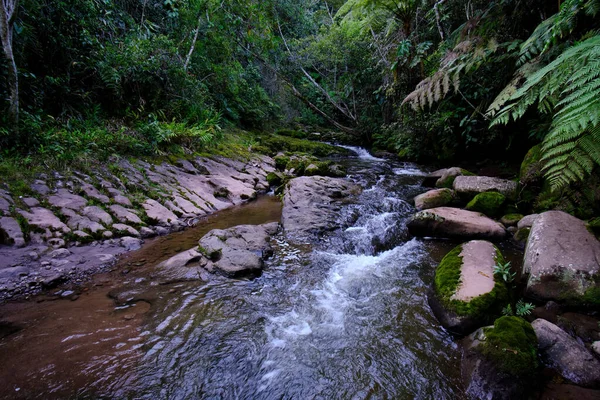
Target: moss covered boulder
x,y
488,203
466,294
434,198
562,261
511,219
500,361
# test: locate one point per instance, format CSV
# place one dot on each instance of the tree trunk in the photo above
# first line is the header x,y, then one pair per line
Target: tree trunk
x,y
8,9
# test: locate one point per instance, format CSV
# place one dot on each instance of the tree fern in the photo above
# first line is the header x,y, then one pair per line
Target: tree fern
x,y
569,89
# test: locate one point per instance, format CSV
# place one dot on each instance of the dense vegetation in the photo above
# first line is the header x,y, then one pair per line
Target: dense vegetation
x,y
430,80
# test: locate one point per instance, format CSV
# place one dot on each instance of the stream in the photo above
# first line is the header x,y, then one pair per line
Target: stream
x,y
343,318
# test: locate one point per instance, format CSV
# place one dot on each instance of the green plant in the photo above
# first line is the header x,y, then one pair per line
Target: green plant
x,y
568,89
504,271
522,308
508,311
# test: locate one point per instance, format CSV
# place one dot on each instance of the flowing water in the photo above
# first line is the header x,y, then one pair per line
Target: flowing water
x,y
344,318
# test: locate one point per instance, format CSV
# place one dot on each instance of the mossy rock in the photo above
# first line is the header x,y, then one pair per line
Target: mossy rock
x,y
281,162
478,311
488,203
531,168
274,179
522,235
447,180
511,345
511,219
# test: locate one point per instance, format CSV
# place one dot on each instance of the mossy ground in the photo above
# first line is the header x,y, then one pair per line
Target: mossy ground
x,y
512,346
488,203
447,279
273,144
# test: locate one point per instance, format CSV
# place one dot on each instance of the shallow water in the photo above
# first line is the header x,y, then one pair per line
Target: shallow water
x,y
344,318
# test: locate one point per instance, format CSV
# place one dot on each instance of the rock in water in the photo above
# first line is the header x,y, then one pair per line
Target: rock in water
x,y
434,198
563,260
470,186
311,205
240,250
499,362
454,223
466,295
566,355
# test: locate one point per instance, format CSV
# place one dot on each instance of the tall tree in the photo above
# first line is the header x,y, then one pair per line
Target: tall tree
x,y
8,14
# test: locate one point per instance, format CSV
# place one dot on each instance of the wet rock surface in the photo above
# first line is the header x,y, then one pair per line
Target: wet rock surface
x,y
434,198
566,355
562,259
470,186
311,205
454,223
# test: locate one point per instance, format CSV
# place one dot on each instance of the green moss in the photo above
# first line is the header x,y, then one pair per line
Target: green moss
x,y
511,219
449,181
447,279
274,179
277,143
522,234
443,197
291,133
591,297
530,167
488,203
512,346
281,162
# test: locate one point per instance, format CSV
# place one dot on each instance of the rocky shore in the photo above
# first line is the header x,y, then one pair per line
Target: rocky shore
x,y
67,227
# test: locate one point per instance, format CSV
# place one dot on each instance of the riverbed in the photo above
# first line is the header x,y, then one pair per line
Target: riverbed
x,y
346,317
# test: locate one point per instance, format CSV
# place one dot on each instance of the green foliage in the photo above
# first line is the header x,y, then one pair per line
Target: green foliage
x,y
504,271
568,89
512,346
523,309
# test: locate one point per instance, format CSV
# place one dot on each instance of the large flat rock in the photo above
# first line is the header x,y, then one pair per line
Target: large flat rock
x,y
65,199
10,232
470,186
311,205
473,264
159,213
43,218
562,259
566,355
454,223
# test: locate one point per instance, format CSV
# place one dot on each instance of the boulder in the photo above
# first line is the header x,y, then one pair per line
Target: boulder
x,y
562,260
122,228
131,243
238,251
186,266
311,206
566,355
511,219
488,203
499,362
434,198
125,215
43,218
97,214
159,213
527,221
447,222
470,186
10,232
449,175
466,294
64,199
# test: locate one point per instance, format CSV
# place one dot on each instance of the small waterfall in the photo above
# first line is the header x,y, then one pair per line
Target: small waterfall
x,y
361,153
